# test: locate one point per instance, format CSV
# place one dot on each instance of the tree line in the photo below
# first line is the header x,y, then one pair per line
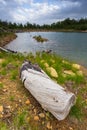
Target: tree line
x,y
67,24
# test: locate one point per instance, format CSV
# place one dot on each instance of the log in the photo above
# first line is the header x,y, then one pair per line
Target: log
x,y
51,96
7,50
3,49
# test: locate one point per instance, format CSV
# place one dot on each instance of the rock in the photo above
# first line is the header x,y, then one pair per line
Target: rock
x,y
36,118
16,105
49,126
27,102
52,72
1,109
20,101
76,66
43,122
46,65
1,116
35,111
1,61
86,101
69,72
5,90
28,119
70,128
8,107
42,115
80,73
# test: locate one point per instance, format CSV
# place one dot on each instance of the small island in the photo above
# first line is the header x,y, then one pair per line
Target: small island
x,y
40,39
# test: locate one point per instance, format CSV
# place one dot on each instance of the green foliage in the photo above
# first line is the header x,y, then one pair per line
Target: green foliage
x,y
40,39
67,24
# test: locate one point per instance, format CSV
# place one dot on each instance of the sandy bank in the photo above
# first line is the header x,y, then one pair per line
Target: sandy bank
x,y
6,39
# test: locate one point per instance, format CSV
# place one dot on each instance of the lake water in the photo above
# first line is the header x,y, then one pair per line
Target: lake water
x,y
72,46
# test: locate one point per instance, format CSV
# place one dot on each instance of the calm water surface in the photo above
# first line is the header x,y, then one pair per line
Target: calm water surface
x,y
72,46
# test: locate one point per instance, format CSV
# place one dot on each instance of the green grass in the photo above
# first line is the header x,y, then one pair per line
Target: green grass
x,y
58,63
67,66
12,98
77,79
3,72
20,121
59,67
76,110
4,64
1,85
3,126
14,74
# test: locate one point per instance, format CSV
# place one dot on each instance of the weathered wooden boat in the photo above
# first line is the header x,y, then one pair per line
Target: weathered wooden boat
x,y
49,94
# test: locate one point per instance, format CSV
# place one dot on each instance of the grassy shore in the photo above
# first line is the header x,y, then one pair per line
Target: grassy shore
x,y
19,110
40,39
6,37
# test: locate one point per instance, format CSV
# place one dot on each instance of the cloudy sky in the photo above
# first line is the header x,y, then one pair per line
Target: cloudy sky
x,y
42,11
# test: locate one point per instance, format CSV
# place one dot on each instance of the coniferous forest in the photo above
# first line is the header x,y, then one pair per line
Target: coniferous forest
x,y
65,25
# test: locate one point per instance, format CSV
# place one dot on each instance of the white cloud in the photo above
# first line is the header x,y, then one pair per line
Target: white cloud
x,y
70,4
18,15
21,2
3,2
45,11
36,12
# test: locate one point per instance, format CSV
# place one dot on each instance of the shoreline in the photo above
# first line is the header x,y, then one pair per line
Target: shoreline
x,y
44,30
11,36
6,39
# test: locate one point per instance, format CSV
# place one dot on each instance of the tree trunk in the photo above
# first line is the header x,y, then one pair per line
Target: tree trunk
x,y
50,95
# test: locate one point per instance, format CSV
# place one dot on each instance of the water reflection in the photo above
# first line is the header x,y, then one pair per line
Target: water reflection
x,y
69,45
